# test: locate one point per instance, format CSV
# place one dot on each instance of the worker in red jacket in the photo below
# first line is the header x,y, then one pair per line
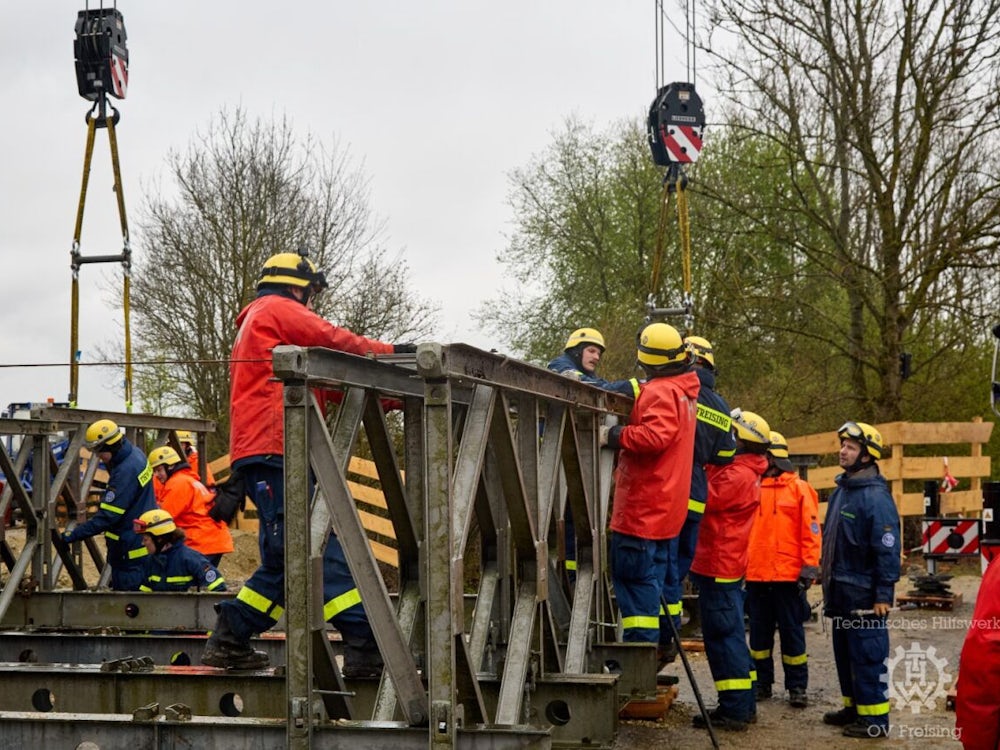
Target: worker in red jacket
x,y
187,500
718,568
977,703
652,479
282,314
784,563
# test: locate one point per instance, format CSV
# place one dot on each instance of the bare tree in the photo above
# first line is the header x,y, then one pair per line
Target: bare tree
x,y
885,116
242,191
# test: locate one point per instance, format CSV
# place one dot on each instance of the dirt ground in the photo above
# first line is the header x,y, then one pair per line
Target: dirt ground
x,y
924,649
931,638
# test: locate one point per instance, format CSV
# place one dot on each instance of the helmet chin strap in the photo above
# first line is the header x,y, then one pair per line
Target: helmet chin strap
x,y
858,464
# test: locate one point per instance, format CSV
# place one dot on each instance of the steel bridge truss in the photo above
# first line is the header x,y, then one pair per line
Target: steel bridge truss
x,y
494,451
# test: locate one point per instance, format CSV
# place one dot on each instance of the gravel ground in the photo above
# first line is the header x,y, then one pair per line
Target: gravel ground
x,y
915,725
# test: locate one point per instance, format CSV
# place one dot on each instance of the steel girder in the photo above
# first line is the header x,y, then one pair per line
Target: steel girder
x,y
23,729
494,442
494,450
38,565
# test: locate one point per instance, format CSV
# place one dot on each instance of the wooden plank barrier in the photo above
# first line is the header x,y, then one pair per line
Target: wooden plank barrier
x,y
365,496
970,467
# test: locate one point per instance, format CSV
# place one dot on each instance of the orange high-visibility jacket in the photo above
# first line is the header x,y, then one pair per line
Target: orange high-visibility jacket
x,y
786,535
192,459
188,501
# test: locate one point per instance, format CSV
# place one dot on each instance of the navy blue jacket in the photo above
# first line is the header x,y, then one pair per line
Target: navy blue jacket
x,y
178,568
565,363
861,543
714,442
129,495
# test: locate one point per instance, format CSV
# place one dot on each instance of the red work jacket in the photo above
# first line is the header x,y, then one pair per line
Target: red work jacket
x,y
657,452
785,536
977,702
733,497
257,426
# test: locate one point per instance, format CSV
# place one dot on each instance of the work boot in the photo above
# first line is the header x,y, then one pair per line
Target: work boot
x,y
225,649
863,730
362,664
840,718
797,697
721,721
762,691
666,654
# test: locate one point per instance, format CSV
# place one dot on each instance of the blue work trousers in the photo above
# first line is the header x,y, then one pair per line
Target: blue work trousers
x,y
637,570
861,652
260,603
777,604
672,593
721,607
686,542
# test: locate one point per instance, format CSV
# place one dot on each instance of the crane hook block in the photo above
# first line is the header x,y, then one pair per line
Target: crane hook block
x,y
101,54
676,124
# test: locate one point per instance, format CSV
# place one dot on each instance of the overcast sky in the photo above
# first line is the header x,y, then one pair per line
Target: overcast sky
x,y
437,101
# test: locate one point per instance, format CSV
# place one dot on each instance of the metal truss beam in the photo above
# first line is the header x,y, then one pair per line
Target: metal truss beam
x,y
107,731
93,610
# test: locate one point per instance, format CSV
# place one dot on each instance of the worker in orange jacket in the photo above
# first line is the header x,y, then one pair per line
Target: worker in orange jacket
x,y
187,440
179,492
784,563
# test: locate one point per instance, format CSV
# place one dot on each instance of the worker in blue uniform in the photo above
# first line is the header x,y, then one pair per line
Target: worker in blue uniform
x,y
583,351
171,564
860,566
129,494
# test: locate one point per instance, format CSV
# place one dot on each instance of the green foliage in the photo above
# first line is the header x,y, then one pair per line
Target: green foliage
x,y
585,216
771,290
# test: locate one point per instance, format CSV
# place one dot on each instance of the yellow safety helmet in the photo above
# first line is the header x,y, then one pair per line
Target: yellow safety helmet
x,y
156,522
779,446
185,436
103,432
868,436
751,428
292,269
701,349
164,455
585,336
660,344
779,452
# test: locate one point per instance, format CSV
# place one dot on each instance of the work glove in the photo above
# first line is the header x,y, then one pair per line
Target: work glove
x,y
807,576
407,348
608,436
571,374
66,536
